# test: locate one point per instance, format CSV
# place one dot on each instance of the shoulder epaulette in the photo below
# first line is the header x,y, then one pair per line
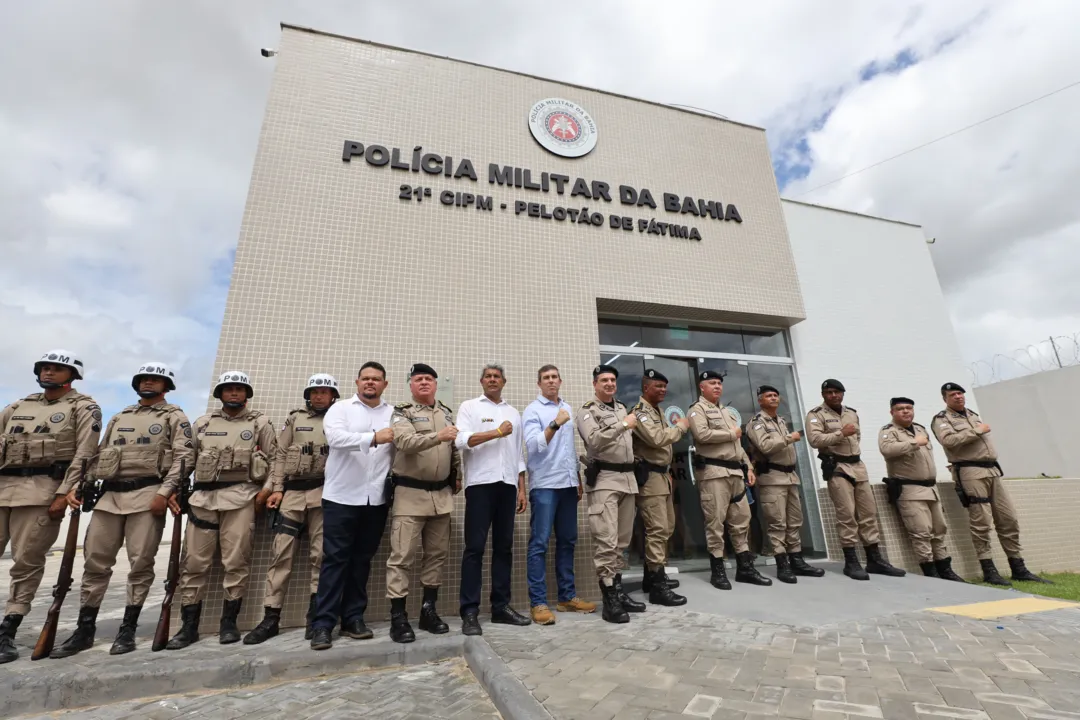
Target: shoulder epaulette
x,y
886,426
919,425
636,406
443,405
619,404
816,409
294,411
851,409
131,408
940,414
403,405
588,404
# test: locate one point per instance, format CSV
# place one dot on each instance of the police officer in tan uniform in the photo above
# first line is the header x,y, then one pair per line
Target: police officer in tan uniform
x,y
833,428
652,440
233,447
297,480
773,447
606,428
977,474
138,467
425,477
46,436
722,472
912,481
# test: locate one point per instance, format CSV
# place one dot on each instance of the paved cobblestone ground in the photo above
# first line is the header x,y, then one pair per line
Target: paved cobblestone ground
x,y
442,690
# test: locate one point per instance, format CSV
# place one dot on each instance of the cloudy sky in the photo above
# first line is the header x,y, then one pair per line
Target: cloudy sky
x,y
128,132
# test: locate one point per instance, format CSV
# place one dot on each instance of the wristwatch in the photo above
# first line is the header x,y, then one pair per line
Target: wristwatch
x,y
625,426
553,426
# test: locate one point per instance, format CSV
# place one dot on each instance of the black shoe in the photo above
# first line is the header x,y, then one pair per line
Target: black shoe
x,y
878,565
470,623
400,629
310,617
429,618
671,582
613,610
266,629
991,576
784,572
189,628
801,568
82,638
125,637
321,639
662,594
629,604
357,630
929,569
8,651
852,568
945,571
509,616
718,576
745,572
228,633
1020,573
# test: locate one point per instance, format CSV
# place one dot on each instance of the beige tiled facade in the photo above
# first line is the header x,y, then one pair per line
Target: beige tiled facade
x,y
333,268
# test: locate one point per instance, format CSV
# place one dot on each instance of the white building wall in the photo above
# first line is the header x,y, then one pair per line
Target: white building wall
x,y
876,319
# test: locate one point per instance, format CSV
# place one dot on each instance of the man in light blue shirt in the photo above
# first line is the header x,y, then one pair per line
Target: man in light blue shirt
x,y
554,492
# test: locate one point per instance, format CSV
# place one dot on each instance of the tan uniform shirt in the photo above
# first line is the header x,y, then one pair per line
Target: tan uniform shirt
x,y
67,431
904,459
823,433
300,454
713,428
601,428
769,439
244,434
957,434
420,455
652,441
143,441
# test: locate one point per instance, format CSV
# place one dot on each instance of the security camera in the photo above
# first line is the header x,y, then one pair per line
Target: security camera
x,y
267,52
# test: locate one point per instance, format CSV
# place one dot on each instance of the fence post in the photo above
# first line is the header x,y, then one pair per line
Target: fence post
x,y
1054,346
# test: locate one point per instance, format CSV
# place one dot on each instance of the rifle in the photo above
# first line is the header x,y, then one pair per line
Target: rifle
x,y
161,634
47,638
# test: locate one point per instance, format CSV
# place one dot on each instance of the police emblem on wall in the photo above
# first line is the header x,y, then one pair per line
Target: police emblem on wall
x,y
562,127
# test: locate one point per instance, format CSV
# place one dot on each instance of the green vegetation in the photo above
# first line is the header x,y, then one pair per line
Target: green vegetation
x,y
1066,586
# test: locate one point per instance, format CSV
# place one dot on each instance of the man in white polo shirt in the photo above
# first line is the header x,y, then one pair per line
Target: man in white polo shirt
x,y
489,437
354,505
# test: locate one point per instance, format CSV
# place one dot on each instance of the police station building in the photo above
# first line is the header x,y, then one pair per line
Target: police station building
x,y
411,208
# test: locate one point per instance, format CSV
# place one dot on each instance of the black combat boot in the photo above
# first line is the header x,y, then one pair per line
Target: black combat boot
x,y
852,568
945,571
310,617
803,569
400,629
671,582
125,637
878,565
11,623
429,618
629,604
82,638
1020,573
784,573
929,569
228,633
991,576
647,579
718,577
189,627
662,594
613,610
745,572
267,627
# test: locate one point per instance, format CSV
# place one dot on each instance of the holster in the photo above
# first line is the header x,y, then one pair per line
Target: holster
x,y
761,467
91,493
389,491
893,489
829,464
965,499
592,473
641,473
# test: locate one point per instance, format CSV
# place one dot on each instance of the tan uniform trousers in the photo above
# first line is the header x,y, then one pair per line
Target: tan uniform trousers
x,y
277,576
141,533
611,519
856,512
236,534
781,511
925,525
716,506
32,534
658,517
997,514
409,533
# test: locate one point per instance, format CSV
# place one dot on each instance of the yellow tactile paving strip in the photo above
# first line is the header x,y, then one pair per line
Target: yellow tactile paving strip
x,y
1005,608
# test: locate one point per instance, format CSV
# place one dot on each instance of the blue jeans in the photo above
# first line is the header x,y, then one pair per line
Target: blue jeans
x,y
556,508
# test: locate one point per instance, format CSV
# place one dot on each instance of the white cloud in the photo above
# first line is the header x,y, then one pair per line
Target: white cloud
x,y
89,208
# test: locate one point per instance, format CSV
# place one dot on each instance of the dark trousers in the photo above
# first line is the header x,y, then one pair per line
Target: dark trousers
x,y
488,506
351,536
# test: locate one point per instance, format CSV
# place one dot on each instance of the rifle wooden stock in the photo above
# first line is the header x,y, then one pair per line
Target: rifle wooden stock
x,y
47,638
172,578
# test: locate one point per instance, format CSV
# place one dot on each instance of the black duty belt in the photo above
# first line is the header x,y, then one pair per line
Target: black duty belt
x,y
729,464
123,486
894,486
847,458
56,470
782,468
299,485
216,485
905,481
614,467
405,481
662,469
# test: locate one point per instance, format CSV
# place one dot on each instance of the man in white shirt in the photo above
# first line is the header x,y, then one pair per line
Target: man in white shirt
x,y
354,505
489,437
